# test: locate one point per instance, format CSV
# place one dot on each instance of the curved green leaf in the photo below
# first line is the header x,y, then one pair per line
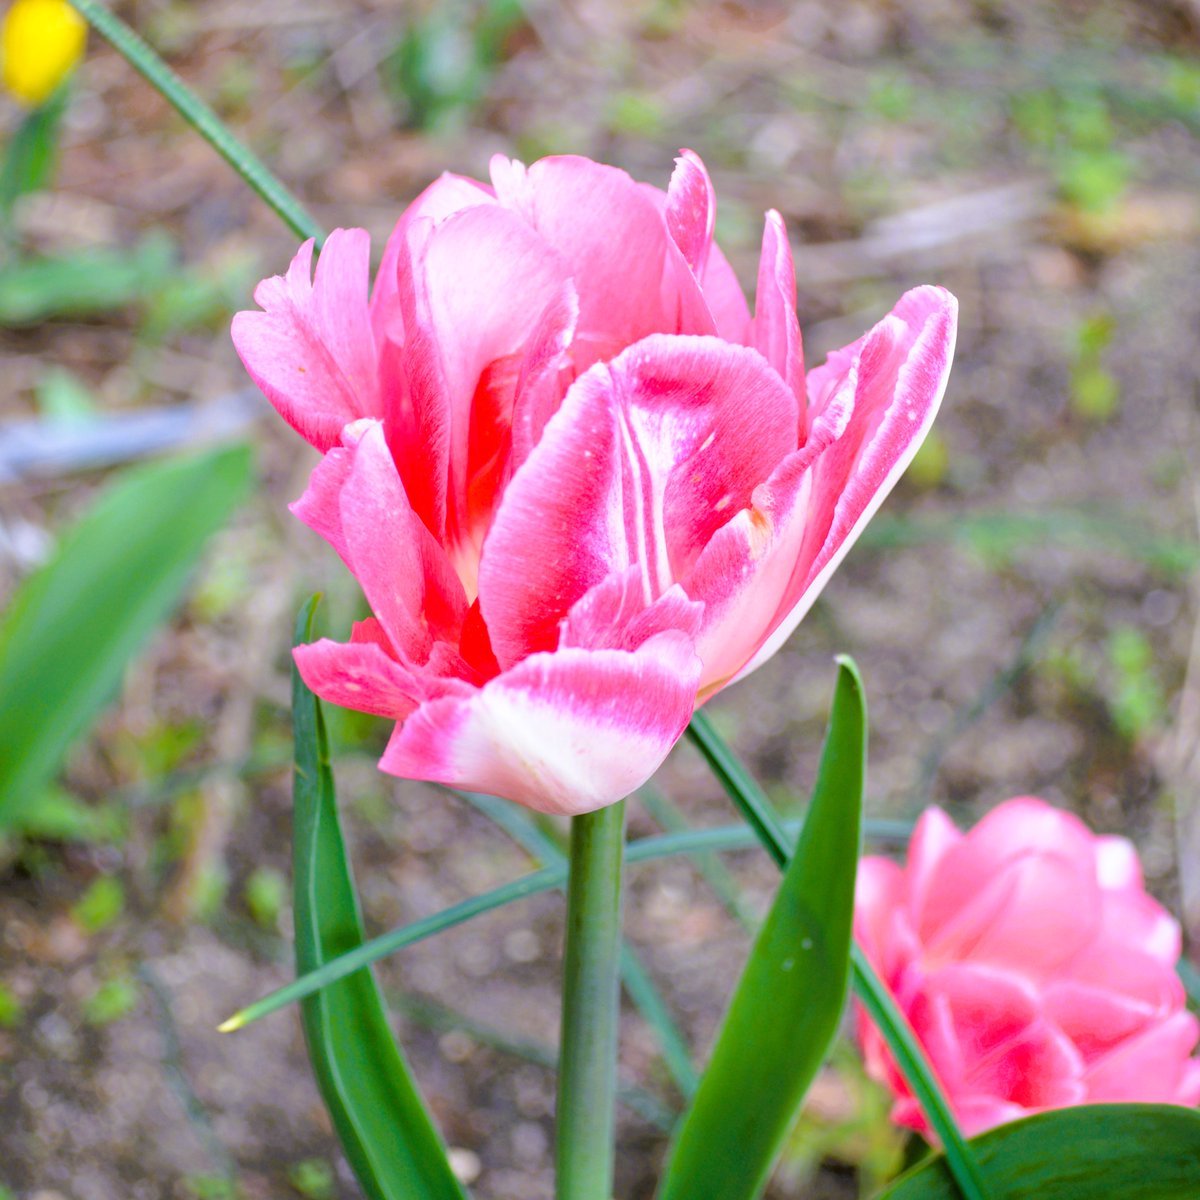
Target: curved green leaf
x,y
378,1113
752,803
1114,1151
75,624
786,1008
647,849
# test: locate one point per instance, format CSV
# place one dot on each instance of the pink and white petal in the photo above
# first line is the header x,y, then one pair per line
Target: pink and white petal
x,y
1137,921
710,421
1127,971
463,335
776,329
614,615
977,1114
900,376
1149,1068
879,892
725,299
1118,868
933,836
642,462
1095,1019
546,372
559,528
744,572
631,278
1021,827
567,732
359,675
445,196
1031,917
319,507
404,573
311,350
691,210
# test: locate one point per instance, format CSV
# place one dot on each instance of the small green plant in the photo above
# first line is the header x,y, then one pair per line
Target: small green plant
x,y
11,1012
113,999
266,896
313,1178
1095,391
1136,697
100,905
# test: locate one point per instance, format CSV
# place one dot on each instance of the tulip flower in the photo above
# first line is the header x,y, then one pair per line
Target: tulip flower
x,y
1032,965
40,43
582,488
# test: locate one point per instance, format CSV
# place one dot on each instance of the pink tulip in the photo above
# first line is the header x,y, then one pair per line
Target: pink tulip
x,y
582,488
1032,965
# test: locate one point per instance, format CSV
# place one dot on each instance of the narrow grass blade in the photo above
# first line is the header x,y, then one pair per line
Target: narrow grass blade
x,y
378,1113
440,1018
710,867
638,984
695,841
74,626
785,1010
200,117
1117,1151
754,806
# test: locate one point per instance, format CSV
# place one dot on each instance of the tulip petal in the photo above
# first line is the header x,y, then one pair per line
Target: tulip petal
x,y
691,210
1022,828
878,903
646,458
631,278
1150,1068
725,299
776,330
464,337
1033,915
567,732
311,350
614,615
358,675
896,376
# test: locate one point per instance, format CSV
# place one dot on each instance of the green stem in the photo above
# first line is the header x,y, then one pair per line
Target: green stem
x,y
588,1062
868,987
145,60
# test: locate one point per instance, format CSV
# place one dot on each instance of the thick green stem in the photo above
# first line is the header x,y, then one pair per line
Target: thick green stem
x,y
587,1068
143,58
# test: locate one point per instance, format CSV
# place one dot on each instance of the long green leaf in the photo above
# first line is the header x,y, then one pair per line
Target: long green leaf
x,y
378,1113
785,1011
752,803
74,625
649,849
1094,1152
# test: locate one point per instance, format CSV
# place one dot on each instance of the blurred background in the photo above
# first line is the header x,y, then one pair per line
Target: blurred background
x,y
1023,609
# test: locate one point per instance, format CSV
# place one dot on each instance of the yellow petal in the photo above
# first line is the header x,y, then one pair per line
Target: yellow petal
x,y
40,41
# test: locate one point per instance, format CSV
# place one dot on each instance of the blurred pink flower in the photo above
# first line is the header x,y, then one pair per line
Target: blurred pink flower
x,y
1032,964
581,487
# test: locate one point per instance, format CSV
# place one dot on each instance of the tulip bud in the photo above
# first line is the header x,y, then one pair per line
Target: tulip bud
x,y
40,43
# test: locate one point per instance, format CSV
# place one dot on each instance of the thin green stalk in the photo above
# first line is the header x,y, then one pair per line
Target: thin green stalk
x,y
146,61
587,1074
870,989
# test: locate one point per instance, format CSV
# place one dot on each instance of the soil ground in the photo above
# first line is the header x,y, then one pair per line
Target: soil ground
x,y
1023,609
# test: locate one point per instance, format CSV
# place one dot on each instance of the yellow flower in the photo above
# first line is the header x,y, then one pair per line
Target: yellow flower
x,y
40,41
